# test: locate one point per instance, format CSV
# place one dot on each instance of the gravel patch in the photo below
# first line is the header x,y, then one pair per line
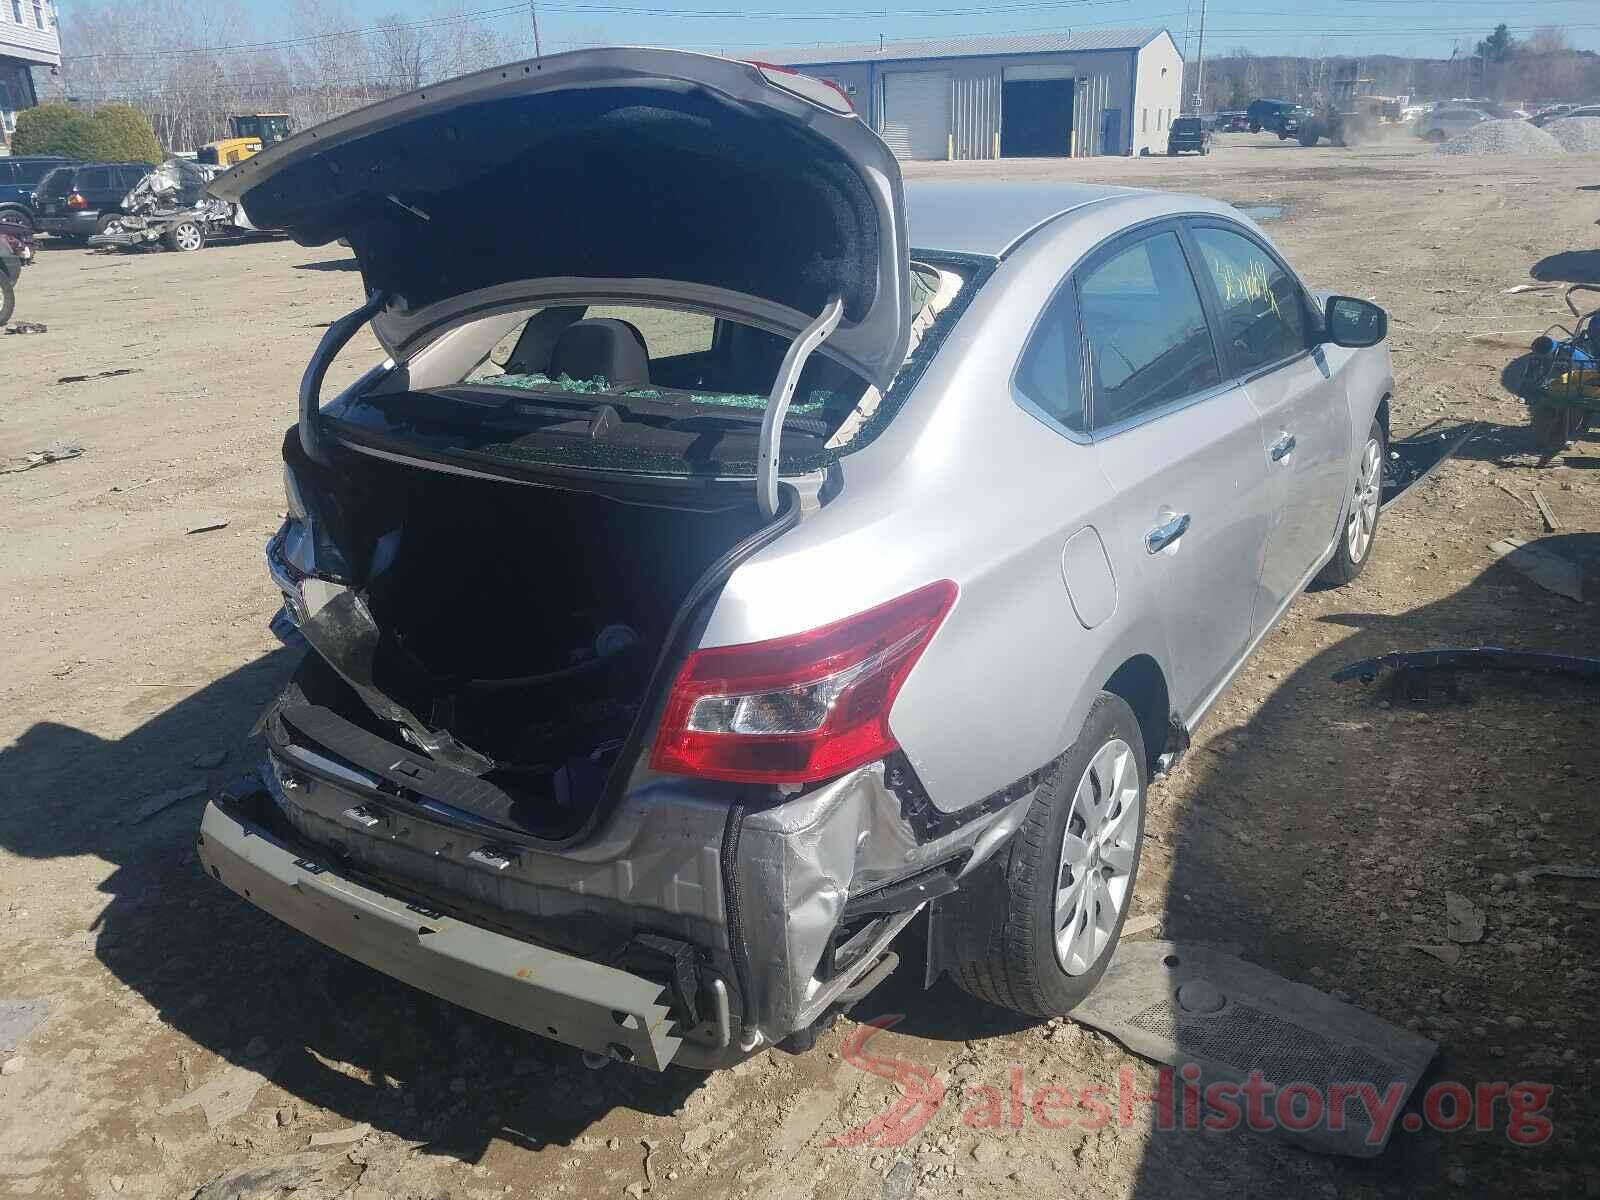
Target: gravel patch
x,y
1516,138
1577,135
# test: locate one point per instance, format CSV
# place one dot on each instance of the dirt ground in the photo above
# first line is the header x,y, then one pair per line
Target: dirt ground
x,y
192,1046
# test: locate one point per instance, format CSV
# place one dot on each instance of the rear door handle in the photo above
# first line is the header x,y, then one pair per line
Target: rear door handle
x,y
1162,536
1282,448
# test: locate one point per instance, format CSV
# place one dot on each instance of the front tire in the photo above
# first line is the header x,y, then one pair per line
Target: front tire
x,y
1359,529
1071,873
186,236
8,300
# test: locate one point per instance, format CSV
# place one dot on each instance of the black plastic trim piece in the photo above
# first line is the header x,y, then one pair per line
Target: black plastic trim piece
x,y
929,823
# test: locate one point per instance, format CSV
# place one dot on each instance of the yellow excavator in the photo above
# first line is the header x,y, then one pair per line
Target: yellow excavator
x,y
247,135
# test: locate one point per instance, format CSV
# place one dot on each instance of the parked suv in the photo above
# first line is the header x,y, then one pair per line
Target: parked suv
x,y
698,594
77,201
1281,117
19,176
1447,121
1189,133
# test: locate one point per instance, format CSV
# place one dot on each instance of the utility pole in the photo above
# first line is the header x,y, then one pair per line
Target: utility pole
x,y
533,15
1200,64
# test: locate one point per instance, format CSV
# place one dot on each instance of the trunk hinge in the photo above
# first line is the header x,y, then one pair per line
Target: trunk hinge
x,y
794,362
339,333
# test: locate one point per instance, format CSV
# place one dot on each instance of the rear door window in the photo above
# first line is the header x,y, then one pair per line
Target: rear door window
x,y
8,173
93,179
1260,304
1149,344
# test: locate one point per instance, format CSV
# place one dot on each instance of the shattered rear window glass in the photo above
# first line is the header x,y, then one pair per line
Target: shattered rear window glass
x,y
695,409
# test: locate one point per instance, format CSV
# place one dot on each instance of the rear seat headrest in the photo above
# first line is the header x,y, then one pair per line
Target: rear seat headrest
x,y
602,346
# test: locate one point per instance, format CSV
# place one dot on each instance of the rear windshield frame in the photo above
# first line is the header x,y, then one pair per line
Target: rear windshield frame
x,y
565,456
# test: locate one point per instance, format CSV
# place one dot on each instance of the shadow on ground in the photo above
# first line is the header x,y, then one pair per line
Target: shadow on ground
x,y
1321,834
1569,266
222,973
329,264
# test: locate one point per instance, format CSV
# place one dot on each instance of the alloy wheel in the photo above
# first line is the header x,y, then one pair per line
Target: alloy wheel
x,y
1097,857
187,236
1364,501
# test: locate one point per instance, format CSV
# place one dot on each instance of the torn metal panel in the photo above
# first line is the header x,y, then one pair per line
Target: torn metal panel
x,y
340,627
800,863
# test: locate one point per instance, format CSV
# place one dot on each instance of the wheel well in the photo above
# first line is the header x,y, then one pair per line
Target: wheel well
x,y
1383,417
1139,681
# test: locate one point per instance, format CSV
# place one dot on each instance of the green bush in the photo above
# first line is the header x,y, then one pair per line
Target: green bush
x,y
123,134
56,129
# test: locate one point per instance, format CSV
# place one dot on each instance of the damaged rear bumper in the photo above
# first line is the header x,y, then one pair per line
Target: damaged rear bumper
x,y
588,1005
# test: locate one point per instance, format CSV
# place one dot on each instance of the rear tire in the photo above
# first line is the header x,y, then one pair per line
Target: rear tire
x,y
1069,890
17,216
8,300
1364,504
104,223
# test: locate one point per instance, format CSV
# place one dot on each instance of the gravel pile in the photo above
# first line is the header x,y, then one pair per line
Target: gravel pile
x,y
1503,138
1577,135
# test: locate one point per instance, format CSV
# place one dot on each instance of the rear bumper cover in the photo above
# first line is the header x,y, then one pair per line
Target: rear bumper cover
x,y
584,1004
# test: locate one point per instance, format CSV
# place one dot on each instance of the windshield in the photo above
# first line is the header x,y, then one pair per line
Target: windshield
x,y
653,389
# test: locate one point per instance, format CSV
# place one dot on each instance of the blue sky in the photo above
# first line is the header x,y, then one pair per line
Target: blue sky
x,y
1425,28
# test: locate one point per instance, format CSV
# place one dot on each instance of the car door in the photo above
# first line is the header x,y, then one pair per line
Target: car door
x,y
1270,348
1181,447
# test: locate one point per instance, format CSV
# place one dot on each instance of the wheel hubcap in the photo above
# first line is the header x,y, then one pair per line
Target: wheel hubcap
x,y
1364,501
1097,857
188,237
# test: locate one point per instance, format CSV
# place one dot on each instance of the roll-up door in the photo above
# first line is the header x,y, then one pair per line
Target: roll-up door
x,y
916,113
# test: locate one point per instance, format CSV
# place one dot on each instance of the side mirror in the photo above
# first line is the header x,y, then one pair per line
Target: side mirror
x,y
1347,321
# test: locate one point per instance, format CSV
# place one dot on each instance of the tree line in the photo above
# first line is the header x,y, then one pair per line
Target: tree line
x,y
187,64
1543,68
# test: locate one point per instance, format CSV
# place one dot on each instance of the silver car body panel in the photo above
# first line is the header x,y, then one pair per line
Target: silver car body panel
x,y
969,482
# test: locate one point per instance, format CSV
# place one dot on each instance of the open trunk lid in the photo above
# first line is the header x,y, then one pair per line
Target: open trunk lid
x,y
621,174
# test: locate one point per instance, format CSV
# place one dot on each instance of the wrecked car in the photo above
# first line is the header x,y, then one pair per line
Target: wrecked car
x,y
756,553
170,207
16,252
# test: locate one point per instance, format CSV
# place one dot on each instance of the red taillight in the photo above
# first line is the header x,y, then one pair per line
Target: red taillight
x,y
76,200
802,708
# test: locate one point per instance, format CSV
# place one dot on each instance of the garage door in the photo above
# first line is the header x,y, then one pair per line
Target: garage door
x,y
916,113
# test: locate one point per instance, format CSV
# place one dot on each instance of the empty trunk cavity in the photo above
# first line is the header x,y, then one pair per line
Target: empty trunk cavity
x,y
520,623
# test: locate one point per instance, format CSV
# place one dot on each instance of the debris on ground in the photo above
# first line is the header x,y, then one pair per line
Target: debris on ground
x,y
1463,919
208,526
1550,571
1448,954
224,1097
53,453
1577,135
1517,138
1196,1002
1551,521
1139,923
164,800
291,1173
339,1137
18,1018
1557,871
99,375
27,327
13,1065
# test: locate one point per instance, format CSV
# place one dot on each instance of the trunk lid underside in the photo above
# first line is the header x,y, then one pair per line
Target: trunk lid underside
x,y
647,172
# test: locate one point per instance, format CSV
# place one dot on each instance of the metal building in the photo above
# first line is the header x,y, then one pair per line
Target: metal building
x,y
1063,94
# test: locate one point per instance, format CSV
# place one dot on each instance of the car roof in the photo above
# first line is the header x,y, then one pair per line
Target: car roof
x,y
988,218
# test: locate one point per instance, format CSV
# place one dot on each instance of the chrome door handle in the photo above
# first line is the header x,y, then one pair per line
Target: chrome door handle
x,y
1282,448
1162,536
